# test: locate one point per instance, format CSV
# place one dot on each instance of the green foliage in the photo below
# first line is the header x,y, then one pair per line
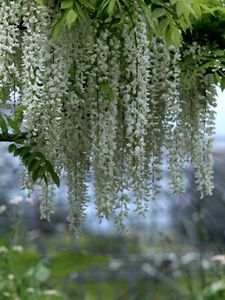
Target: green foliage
x,y
57,28
209,33
65,263
22,261
15,122
173,21
168,19
216,291
36,163
24,276
71,12
12,123
5,93
39,2
106,89
3,125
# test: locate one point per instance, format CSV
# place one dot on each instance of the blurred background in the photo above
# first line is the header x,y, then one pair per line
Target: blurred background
x,y
176,252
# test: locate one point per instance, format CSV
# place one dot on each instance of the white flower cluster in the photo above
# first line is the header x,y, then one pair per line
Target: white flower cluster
x,y
135,95
10,13
35,56
197,118
107,104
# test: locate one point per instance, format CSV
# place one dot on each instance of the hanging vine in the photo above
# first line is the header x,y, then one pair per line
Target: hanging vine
x,y
106,90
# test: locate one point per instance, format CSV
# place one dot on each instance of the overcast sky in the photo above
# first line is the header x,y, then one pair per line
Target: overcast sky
x,y
220,117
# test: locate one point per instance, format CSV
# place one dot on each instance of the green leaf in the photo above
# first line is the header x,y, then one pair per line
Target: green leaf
x,y
18,116
218,52
55,178
24,150
40,155
197,9
16,152
111,7
3,125
66,4
192,11
71,17
162,27
37,174
88,4
80,12
54,175
207,9
149,18
27,158
34,164
12,148
103,6
179,7
172,2
5,93
183,7
168,36
176,37
39,2
222,83
183,23
107,90
12,124
57,28
158,12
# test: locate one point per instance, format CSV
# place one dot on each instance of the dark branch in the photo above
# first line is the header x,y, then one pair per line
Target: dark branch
x,y
12,137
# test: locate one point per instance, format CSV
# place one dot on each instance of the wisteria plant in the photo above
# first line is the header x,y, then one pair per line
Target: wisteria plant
x,y
107,90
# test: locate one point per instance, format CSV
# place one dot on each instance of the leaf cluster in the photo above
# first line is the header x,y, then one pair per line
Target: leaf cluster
x,y
209,33
36,163
12,123
177,22
168,19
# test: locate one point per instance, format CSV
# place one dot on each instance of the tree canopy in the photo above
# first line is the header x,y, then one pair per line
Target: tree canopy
x,y
104,91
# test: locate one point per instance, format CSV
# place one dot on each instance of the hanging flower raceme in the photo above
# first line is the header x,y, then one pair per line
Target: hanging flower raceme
x,y
107,104
9,50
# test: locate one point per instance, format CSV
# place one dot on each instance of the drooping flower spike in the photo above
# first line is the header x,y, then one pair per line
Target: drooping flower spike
x,y
107,105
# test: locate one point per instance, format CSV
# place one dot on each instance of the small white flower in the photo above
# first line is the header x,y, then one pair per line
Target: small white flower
x,y
3,250
219,258
17,248
11,277
30,290
51,292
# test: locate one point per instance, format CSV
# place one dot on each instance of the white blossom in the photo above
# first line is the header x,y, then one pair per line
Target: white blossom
x,y
108,104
